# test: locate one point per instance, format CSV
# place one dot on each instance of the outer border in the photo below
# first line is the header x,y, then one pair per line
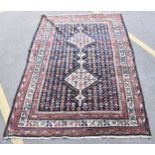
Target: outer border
x,y
91,136
28,56
136,71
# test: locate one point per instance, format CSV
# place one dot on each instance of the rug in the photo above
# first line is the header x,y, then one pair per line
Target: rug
x,y
80,80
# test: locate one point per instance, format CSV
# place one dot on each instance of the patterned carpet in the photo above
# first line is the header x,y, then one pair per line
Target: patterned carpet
x,y
80,80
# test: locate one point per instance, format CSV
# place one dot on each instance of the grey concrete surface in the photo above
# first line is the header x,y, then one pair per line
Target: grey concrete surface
x,y
16,33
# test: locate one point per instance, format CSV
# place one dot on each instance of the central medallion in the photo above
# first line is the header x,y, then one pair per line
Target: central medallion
x,y
80,78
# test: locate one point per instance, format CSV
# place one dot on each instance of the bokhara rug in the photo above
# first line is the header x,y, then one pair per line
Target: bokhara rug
x,y
80,80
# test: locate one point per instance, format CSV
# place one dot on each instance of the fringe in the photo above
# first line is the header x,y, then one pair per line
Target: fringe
x,y
85,137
